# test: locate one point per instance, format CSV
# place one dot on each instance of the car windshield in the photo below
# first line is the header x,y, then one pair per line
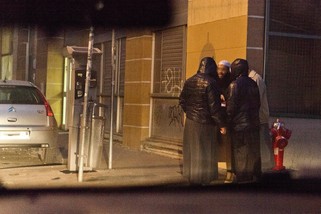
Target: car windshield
x,y
19,95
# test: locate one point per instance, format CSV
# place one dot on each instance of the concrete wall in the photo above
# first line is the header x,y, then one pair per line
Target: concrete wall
x,y
55,76
137,88
255,35
217,29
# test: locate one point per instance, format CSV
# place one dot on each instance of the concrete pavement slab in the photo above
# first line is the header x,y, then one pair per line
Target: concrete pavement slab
x,y
129,168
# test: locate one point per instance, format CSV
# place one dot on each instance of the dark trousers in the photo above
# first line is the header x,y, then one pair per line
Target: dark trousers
x,y
246,158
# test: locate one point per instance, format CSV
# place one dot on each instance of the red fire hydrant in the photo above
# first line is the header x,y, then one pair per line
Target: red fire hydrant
x,y
280,136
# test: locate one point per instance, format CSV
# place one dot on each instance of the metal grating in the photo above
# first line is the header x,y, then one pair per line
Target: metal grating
x,y
293,72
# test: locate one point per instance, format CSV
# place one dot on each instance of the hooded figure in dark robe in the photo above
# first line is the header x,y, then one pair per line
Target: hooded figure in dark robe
x,y
200,100
242,107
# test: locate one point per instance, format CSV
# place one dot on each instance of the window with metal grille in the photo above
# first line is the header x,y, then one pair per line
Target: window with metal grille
x,y
293,69
120,68
169,62
169,58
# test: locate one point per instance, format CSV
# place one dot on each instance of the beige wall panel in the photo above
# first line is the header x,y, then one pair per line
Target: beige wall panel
x,y
55,68
204,11
136,115
54,90
222,39
137,93
223,34
230,54
137,89
139,47
138,70
134,136
54,80
134,32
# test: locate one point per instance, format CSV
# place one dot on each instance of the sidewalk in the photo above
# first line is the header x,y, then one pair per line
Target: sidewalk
x,y
130,168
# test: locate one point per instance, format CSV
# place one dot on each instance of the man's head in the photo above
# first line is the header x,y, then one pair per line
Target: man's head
x,y
239,67
223,68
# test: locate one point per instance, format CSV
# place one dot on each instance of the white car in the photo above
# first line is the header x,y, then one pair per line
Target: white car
x,y
26,119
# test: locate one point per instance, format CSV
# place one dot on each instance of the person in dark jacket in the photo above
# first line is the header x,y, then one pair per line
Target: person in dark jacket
x,y
200,100
224,80
242,106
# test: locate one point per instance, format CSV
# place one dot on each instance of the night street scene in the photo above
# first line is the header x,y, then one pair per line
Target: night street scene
x,y
148,106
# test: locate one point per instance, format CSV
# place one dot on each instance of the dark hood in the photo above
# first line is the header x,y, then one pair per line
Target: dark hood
x,y
208,66
239,67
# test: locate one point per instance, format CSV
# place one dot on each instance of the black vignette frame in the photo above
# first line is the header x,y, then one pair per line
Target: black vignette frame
x,y
51,15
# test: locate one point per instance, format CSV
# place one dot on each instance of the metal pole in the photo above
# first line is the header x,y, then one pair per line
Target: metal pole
x,y
112,99
85,104
266,37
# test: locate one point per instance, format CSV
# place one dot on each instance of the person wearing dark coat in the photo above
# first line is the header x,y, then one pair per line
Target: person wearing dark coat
x,y
200,100
242,107
224,80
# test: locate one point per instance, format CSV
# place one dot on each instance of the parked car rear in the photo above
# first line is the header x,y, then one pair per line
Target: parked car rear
x,y
26,119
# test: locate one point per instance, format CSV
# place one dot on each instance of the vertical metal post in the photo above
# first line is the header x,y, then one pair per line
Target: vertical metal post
x,y
112,99
266,36
83,125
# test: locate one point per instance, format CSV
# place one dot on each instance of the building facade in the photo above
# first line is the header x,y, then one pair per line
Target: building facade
x,y
280,41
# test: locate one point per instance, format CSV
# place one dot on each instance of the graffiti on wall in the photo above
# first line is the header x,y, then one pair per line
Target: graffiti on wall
x,y
176,116
168,117
171,80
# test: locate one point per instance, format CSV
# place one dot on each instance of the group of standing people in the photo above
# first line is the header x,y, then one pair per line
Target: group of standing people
x,y
222,102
